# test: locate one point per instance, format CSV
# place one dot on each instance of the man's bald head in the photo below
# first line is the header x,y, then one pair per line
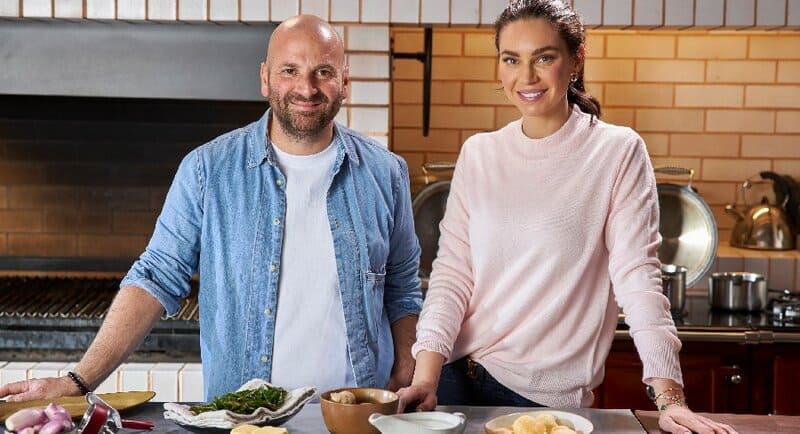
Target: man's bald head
x,y
311,28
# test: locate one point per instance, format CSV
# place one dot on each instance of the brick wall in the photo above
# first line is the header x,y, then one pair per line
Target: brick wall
x,y
726,104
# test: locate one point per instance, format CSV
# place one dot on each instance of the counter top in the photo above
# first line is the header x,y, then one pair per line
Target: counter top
x,y
309,420
743,423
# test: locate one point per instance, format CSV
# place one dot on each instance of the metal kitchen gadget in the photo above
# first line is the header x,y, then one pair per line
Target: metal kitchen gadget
x,y
687,227
102,418
763,226
673,285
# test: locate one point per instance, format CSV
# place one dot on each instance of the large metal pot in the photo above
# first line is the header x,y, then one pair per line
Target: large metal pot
x,y
429,206
737,291
687,227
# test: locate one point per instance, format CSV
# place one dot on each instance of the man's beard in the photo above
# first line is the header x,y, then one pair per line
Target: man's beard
x,y
303,125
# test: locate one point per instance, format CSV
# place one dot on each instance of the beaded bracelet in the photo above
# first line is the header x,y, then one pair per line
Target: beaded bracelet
x,y
79,381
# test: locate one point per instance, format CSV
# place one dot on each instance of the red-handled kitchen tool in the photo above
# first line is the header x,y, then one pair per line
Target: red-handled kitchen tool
x,y
102,418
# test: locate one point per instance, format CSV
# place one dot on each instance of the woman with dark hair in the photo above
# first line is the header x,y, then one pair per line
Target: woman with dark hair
x,y
551,223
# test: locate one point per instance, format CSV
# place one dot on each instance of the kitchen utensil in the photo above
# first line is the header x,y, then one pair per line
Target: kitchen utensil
x,y
764,226
737,291
428,207
103,418
76,406
428,422
673,285
687,227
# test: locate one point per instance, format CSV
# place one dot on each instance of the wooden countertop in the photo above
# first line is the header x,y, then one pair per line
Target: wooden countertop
x,y
743,423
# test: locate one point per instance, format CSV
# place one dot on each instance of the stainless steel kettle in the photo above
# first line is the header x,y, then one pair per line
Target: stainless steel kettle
x,y
763,226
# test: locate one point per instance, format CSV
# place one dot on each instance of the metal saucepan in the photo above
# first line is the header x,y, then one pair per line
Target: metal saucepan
x,y
737,291
687,227
428,206
673,284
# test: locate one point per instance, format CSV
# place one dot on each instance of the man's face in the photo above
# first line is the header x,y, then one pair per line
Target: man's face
x,y
305,81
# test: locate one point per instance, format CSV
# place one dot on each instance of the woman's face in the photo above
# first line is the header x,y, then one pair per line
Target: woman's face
x,y
535,68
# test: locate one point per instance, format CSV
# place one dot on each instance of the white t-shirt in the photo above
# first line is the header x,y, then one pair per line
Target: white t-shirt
x,y
310,337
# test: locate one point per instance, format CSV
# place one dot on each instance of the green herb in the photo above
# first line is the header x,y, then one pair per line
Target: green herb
x,y
245,401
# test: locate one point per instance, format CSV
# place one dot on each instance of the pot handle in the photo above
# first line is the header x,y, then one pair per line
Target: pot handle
x,y
437,166
674,170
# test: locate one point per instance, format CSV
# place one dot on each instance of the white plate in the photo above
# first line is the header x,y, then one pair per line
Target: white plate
x,y
578,423
225,419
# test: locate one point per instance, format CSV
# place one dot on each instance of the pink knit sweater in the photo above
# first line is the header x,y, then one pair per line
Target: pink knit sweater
x,y
541,240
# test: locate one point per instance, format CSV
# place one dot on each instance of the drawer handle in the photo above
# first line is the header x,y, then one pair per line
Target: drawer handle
x,y
735,379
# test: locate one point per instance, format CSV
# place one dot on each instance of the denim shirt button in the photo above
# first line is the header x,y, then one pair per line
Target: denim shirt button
x,y
273,268
264,359
279,183
276,222
267,312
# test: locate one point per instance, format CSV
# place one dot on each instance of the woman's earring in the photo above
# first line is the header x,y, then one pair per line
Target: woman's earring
x,y
573,77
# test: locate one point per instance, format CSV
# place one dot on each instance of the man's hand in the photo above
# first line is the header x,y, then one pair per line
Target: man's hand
x,y
681,420
39,389
403,335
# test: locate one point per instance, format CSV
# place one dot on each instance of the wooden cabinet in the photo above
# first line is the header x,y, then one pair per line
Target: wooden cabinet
x,y
719,378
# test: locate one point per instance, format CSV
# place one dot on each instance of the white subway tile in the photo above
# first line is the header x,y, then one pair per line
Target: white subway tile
x,y
224,10
368,120
369,66
618,12
190,383
730,264
382,140
678,13
131,10
100,9
781,273
162,10
368,38
465,12
340,30
9,8
283,9
375,11
344,10
406,11
770,13
135,376
67,8
110,384
341,117
740,13
37,8
47,369
68,367
793,13
491,9
15,371
435,11
709,13
164,381
590,10
192,10
648,12
255,10
315,7
369,92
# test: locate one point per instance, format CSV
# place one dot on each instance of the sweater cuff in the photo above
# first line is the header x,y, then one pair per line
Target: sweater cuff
x,y
433,346
661,360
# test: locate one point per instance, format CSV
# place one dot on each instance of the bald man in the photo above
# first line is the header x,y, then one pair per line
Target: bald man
x,y
302,233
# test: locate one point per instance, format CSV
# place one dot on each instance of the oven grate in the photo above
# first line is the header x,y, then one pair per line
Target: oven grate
x,y
69,298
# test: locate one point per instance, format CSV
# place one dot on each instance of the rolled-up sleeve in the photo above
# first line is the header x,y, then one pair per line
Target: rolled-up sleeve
x,y
402,293
165,268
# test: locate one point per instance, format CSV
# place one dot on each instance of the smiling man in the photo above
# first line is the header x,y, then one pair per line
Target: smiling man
x,y
302,233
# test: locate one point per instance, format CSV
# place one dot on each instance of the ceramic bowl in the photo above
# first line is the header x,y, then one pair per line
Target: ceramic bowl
x,y
578,423
354,418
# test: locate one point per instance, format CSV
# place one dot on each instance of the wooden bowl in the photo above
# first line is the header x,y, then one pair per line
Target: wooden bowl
x,y
354,418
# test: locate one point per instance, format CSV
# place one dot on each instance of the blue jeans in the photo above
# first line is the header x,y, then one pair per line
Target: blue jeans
x,y
465,382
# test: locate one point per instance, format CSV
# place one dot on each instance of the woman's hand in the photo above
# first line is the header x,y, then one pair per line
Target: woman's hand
x,y
419,397
44,388
681,420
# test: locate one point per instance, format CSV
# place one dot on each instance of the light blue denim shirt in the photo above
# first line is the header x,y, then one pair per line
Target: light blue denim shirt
x,y
224,215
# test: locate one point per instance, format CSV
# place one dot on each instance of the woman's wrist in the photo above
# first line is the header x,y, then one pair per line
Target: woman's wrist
x,y
428,368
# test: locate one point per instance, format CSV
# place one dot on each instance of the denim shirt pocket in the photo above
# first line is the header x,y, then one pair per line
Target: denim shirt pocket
x,y
374,292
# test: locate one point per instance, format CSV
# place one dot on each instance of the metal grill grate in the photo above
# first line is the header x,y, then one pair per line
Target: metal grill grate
x,y
69,298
